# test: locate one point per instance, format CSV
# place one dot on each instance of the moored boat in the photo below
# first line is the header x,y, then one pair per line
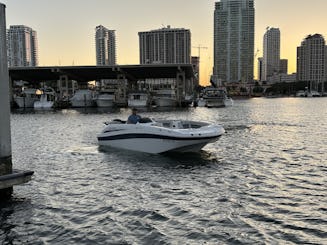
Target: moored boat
x,y
165,98
105,100
138,99
82,98
27,98
214,97
47,99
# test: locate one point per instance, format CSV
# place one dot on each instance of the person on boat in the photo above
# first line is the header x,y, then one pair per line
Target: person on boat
x,y
133,118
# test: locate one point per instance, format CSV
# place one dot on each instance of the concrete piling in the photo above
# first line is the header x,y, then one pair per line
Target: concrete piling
x,y
7,177
5,140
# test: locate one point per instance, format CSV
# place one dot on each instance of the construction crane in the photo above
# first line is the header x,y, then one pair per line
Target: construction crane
x,y
199,49
199,54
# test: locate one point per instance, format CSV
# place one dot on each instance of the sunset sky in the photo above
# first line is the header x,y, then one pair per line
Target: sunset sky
x,y
66,28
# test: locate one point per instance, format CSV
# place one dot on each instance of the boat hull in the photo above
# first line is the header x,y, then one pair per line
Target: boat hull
x,y
215,103
156,143
82,103
165,102
137,103
159,136
25,102
105,102
43,105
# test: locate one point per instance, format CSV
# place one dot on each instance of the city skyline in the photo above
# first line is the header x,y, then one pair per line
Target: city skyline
x,y
77,26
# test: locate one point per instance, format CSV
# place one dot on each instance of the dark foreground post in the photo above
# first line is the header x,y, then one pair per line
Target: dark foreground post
x,y
7,177
5,141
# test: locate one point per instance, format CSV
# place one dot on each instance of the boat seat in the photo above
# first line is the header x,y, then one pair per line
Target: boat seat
x,y
118,121
145,120
176,124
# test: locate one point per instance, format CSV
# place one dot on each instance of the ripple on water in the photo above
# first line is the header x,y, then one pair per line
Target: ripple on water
x,y
263,182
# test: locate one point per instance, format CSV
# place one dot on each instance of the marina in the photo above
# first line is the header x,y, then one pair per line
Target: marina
x,y
165,85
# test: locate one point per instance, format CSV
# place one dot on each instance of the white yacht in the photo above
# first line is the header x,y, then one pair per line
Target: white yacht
x,y
27,98
82,98
214,97
165,98
105,99
47,99
138,99
159,136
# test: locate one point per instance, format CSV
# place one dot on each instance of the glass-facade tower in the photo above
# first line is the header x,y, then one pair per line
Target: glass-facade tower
x,y
22,46
234,40
105,46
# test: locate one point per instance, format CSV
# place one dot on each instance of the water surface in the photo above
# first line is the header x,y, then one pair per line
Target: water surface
x,y
263,182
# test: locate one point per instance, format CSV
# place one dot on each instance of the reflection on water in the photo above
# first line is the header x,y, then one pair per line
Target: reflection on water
x,y
263,182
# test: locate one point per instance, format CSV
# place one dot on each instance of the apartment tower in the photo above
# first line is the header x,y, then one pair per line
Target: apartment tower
x,y
165,46
311,61
271,53
105,46
234,40
22,48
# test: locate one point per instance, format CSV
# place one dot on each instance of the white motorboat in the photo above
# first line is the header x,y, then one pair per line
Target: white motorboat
x,y
27,98
105,100
214,97
165,98
82,98
201,102
228,101
159,136
138,99
47,99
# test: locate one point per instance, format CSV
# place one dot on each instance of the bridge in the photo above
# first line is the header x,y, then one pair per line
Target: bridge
x,y
91,73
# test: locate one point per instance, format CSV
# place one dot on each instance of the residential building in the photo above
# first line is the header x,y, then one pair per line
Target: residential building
x,y
105,45
165,46
22,47
311,60
283,66
271,53
234,40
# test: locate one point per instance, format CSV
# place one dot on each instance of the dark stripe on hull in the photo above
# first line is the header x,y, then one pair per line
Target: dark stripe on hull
x,y
153,136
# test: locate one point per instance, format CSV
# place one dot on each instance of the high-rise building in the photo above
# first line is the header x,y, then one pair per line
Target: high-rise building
x,y
271,53
22,46
165,46
283,66
311,60
105,46
234,40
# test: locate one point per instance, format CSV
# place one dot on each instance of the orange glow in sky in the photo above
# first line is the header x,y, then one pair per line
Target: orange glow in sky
x,y
66,28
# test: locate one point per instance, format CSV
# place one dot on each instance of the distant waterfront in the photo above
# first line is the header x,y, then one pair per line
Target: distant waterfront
x,y
262,182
